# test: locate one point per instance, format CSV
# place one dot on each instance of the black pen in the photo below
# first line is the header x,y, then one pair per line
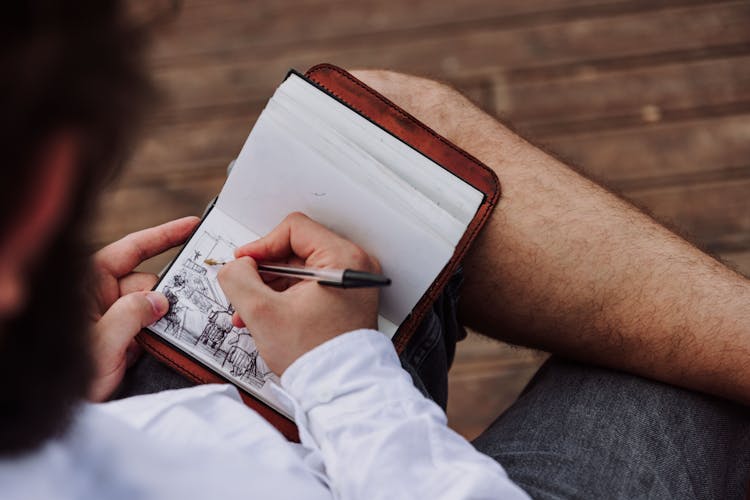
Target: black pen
x,y
342,278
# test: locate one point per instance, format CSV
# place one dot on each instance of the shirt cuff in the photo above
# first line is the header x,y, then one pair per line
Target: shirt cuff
x,y
357,371
312,373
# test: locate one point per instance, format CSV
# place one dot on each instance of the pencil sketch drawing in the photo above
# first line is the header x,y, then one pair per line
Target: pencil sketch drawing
x,y
199,318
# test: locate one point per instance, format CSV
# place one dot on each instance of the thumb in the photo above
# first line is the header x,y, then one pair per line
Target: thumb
x,y
127,316
114,333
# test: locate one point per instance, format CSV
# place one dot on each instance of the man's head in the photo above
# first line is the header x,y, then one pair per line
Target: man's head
x,y
72,86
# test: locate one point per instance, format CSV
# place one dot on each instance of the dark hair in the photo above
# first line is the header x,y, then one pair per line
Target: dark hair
x,y
68,65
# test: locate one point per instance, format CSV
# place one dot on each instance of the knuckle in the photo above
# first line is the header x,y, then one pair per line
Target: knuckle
x,y
133,245
296,217
224,272
375,265
98,258
233,266
360,258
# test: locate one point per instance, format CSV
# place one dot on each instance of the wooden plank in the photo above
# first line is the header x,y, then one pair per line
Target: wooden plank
x,y
486,377
125,209
661,153
240,77
716,215
248,25
644,94
189,145
639,95
474,403
739,261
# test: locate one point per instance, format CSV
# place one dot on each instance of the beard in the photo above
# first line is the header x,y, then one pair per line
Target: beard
x,y
45,359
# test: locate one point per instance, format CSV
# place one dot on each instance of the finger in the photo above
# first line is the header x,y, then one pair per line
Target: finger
x,y
296,235
124,255
245,289
137,282
127,316
237,321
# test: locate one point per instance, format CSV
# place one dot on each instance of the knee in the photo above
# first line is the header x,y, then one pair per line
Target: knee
x,y
589,427
401,84
434,103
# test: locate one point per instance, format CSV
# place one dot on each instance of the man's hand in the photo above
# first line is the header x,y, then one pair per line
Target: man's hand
x,y
123,304
287,319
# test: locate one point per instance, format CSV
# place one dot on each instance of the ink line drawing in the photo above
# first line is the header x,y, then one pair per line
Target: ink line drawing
x,y
199,318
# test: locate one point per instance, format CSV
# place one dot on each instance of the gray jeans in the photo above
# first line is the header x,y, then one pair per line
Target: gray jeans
x,y
584,432
576,431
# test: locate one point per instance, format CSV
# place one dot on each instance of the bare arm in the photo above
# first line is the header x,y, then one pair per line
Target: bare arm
x,y
565,266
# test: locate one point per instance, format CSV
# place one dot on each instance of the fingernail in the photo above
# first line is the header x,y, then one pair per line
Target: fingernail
x,y
159,303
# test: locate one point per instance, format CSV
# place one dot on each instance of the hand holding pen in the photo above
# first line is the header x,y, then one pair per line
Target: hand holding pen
x,y
290,321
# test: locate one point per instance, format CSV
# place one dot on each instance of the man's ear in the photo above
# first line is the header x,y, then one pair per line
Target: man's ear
x,y
38,217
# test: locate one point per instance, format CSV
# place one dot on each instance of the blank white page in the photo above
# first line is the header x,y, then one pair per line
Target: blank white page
x,y
284,168
361,167
451,193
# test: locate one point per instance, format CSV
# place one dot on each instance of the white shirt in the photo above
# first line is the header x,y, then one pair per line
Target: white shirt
x,y
366,433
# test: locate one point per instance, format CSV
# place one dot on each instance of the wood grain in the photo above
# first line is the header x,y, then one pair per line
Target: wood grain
x,y
661,153
226,80
248,25
631,96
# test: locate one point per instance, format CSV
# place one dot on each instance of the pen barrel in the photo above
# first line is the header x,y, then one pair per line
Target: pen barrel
x,y
329,275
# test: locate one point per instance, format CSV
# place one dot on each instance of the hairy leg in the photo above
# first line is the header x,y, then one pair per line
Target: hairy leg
x,y
566,266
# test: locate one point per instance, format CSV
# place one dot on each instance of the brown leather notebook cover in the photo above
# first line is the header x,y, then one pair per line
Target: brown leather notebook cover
x,y
379,110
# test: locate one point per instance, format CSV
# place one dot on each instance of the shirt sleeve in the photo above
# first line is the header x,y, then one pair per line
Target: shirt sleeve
x,y
379,437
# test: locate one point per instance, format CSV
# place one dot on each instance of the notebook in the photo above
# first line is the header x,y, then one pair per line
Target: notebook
x,y
331,147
